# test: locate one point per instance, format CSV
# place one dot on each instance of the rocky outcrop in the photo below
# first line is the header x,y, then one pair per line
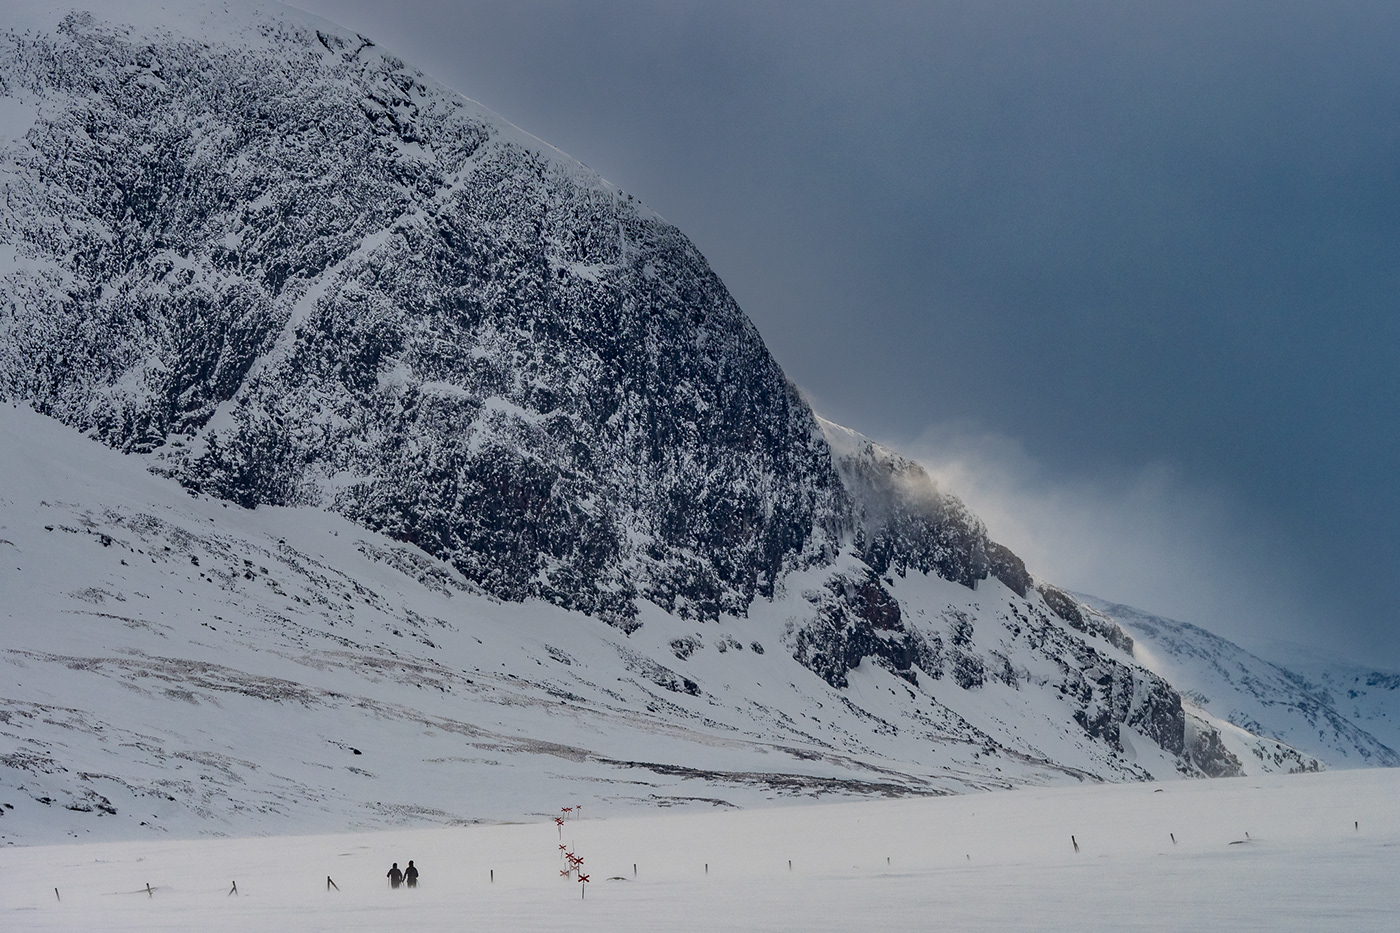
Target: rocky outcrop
x,y
1206,750
1008,568
1113,696
856,618
1083,618
901,520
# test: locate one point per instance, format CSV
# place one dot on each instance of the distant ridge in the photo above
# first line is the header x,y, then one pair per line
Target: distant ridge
x,y
1305,710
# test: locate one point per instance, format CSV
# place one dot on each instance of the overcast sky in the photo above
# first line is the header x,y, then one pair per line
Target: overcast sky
x,y
1123,275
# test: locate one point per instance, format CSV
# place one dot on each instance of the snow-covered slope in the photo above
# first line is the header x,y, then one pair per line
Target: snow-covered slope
x,y
1343,717
178,664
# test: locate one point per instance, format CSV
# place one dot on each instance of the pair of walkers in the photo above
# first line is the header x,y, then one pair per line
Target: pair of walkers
x,y
408,876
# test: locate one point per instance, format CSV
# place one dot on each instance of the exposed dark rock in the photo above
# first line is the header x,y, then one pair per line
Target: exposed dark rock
x,y
1083,618
1002,669
1206,750
1008,568
1113,695
1063,605
967,669
685,646
856,618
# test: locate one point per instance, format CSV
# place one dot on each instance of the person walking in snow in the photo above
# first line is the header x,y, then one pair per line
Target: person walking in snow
x,y
395,876
411,875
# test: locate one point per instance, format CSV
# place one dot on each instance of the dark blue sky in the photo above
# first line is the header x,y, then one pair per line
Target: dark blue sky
x,y
1124,274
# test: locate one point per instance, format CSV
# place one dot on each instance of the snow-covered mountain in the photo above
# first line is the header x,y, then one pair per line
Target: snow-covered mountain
x,y
1342,716
473,482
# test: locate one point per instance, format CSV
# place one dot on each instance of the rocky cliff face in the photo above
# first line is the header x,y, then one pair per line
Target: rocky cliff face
x,y
289,269
306,274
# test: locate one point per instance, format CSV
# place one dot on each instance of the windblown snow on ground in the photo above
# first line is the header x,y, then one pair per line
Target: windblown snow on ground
x,y
1296,852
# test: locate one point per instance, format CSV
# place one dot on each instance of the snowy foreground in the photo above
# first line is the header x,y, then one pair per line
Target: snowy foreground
x,y
1300,852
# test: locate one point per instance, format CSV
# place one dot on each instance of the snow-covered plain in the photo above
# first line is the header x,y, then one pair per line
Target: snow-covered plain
x,y
1297,852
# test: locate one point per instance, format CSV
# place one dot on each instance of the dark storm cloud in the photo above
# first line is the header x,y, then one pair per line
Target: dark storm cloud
x,y
1122,240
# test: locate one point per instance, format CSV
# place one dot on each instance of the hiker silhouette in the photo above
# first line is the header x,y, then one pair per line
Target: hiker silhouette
x,y
411,875
395,876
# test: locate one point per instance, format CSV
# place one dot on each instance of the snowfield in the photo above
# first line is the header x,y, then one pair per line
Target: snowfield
x,y
1297,852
